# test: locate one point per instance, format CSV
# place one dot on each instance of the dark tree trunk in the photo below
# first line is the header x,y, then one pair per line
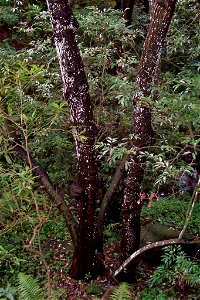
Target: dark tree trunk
x,y
142,131
146,5
118,4
128,11
77,94
128,6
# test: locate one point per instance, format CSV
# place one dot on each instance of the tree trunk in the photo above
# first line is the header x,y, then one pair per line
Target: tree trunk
x,y
142,131
128,10
128,6
77,94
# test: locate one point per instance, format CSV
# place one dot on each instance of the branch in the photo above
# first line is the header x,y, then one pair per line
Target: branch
x,y
107,198
54,193
152,246
190,208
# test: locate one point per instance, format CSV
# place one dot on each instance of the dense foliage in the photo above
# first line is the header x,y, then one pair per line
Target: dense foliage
x,y
31,104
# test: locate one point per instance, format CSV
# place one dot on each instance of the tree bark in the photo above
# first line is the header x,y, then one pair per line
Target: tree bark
x,y
76,92
142,130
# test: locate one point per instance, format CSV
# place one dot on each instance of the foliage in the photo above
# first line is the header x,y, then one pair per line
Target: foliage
x,y
112,232
10,265
7,293
175,271
172,212
176,267
93,289
9,15
122,292
111,149
29,288
183,40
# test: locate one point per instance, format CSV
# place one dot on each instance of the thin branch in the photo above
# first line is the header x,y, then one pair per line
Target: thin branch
x,y
55,194
107,198
190,209
152,246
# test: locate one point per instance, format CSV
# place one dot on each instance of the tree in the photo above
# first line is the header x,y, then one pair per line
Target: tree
x,y
127,6
77,94
87,232
147,78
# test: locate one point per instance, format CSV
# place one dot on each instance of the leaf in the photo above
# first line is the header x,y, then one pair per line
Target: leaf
x,y
8,159
29,288
122,292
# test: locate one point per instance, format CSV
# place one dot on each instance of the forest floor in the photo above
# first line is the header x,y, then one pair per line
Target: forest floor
x,y
103,286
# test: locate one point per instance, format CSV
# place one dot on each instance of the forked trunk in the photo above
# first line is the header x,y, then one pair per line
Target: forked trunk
x,y
81,117
142,131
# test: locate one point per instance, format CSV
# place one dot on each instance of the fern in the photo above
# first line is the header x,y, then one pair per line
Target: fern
x,y
122,292
29,288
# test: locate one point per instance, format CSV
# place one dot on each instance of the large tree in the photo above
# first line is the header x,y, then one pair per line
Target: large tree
x,y
87,233
76,93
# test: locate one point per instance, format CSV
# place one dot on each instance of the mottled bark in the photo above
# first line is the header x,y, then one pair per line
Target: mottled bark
x,y
142,130
77,94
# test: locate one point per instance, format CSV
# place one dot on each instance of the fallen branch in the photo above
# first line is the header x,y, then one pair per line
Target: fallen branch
x,y
152,246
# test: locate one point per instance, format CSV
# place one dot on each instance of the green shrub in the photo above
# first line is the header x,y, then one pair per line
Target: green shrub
x,y
175,272
122,292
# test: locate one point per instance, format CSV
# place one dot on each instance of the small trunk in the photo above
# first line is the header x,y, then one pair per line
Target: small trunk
x,y
117,4
142,131
128,11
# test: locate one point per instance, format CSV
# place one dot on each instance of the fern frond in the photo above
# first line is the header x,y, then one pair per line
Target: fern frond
x,y
29,288
122,292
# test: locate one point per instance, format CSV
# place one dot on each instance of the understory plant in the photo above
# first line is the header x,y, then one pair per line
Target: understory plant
x,y
176,273
29,288
122,292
